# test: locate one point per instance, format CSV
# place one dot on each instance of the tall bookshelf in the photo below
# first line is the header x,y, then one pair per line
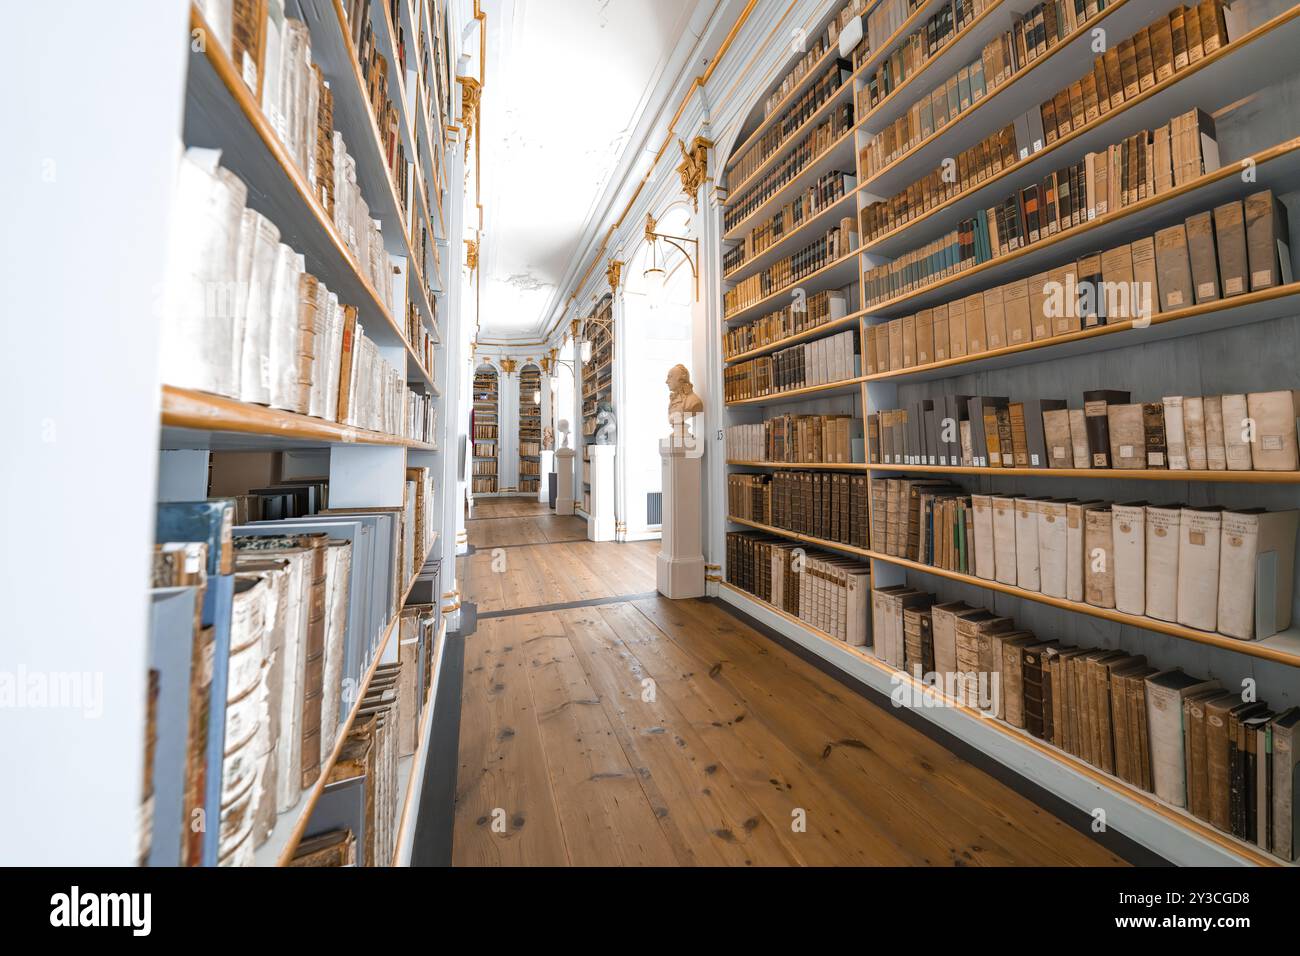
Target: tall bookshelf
x,y
530,428
209,442
597,382
1207,348
486,431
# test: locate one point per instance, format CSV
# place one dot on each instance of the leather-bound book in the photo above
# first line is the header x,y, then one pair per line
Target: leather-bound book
x,y
1275,415
1153,427
1173,269
1019,449
1163,524
1192,24
1267,238
1079,438
1196,746
1165,693
1114,77
1096,413
1198,566
1099,552
1286,757
1127,434
1214,32
1162,48
1220,711
1256,572
1011,671
1200,250
1178,31
1056,435
1236,433
943,625
1031,665
1146,301
1230,240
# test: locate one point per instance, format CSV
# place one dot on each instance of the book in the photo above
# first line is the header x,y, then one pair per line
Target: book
x,y
1165,692
1200,251
1153,426
1238,432
1173,268
1129,532
1163,535
1256,572
1230,240
1096,412
1275,416
1267,237
1198,566
1127,436
1099,550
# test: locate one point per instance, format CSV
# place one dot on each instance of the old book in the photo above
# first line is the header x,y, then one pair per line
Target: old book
x,y
346,362
1162,48
1200,250
957,328
1256,572
1026,531
1145,298
995,320
1221,713
1216,455
1198,566
1153,427
1178,31
1079,445
1040,321
1035,437
1194,431
1015,298
1275,415
1127,435
1117,274
974,646
1099,558
1004,539
1056,430
1129,532
1196,749
1053,546
1162,545
1230,241
1173,269
1175,435
1267,238
1165,692
1238,431
1096,413
1012,645
942,346
1286,758
925,337
982,522
943,622
909,341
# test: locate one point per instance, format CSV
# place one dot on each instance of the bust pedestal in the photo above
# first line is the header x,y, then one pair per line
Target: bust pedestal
x,y
679,566
547,466
600,520
564,483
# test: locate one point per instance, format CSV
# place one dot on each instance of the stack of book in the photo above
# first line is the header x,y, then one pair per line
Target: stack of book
x,y
829,188
1229,762
827,505
835,439
375,70
1205,567
821,362
824,590
835,243
801,315
1238,247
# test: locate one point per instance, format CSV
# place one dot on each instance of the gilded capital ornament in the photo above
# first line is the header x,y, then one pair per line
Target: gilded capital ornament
x,y
471,255
470,92
694,168
614,273
508,365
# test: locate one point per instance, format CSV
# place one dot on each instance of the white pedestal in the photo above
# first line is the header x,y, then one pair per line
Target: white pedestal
x,y
600,520
564,481
544,482
679,566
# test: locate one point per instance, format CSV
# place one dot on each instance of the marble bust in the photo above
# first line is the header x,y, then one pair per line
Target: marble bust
x,y
563,426
548,438
682,400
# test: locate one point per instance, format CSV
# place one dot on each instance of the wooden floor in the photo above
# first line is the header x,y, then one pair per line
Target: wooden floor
x,y
668,733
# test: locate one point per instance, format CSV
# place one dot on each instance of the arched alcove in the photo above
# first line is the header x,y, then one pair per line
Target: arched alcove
x,y
530,427
484,423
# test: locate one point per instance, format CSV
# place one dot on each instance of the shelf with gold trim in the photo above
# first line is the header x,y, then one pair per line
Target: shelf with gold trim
x,y
888,679
1129,474
193,419
1284,648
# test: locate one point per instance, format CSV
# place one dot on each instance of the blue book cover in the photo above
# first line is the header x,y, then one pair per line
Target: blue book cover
x,y
206,521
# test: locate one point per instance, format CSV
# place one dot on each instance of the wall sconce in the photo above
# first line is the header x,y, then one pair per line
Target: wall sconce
x,y
537,397
655,275
585,351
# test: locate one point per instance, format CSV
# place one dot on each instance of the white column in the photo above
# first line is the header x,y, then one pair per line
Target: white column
x,y
600,520
707,356
679,566
621,416
564,491
547,466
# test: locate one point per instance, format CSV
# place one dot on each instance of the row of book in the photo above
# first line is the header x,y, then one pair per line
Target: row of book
x,y
245,320
832,439
815,49
826,591
1229,761
833,244
1235,248
804,313
1209,568
916,49
808,364
421,339
375,74
887,18
1148,163
256,632
831,506
829,188
481,485
809,147
1255,431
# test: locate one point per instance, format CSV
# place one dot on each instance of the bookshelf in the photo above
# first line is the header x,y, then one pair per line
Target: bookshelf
x,y
597,385
1214,340
530,428
485,430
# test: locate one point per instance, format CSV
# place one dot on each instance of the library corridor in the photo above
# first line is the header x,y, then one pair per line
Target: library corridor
x,y
603,725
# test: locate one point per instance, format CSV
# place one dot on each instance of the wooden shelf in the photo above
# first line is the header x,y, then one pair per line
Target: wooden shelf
x,y
1277,167
415,766
1237,311
1246,851
1139,474
801,465
300,815
806,538
834,275
820,221
1283,648
846,387
816,332
221,112
1227,75
201,420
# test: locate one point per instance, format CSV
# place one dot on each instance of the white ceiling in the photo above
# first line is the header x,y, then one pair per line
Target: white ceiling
x,y
568,88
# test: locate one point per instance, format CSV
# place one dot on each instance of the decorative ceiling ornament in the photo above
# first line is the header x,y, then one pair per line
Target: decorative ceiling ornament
x,y
471,256
694,168
614,273
546,364
471,90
